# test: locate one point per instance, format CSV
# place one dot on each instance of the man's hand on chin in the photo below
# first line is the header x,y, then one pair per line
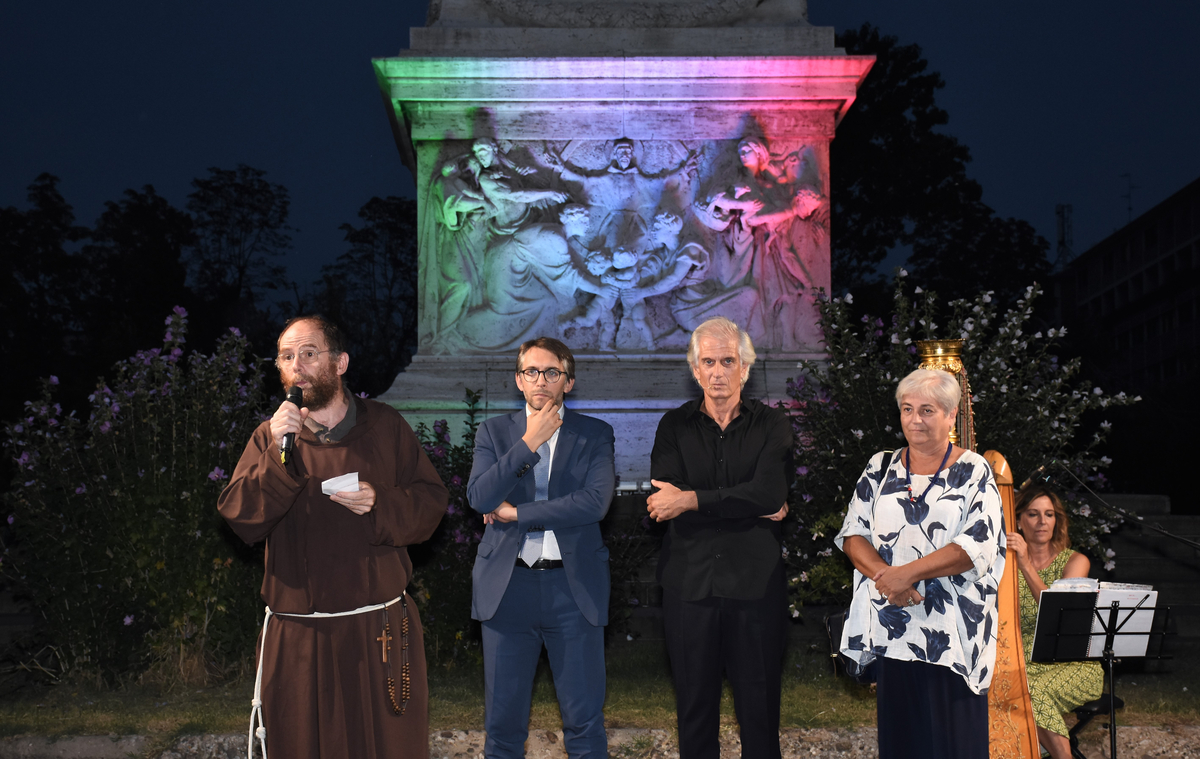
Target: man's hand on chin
x,y
669,502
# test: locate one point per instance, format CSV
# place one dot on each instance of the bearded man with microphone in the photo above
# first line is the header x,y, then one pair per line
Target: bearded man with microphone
x,y
722,466
338,487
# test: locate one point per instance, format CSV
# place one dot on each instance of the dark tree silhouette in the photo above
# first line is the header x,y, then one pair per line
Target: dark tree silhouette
x,y
40,320
898,181
240,230
371,292
136,268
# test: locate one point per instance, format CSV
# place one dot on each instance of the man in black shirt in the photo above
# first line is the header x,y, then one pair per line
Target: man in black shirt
x,y
723,469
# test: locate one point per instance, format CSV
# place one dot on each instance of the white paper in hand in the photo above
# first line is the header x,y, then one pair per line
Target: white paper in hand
x,y
346,483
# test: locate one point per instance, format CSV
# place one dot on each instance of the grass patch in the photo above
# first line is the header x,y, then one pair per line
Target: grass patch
x,y
639,695
65,710
1164,692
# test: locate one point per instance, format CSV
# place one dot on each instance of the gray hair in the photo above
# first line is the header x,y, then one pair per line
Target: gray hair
x,y
725,329
938,386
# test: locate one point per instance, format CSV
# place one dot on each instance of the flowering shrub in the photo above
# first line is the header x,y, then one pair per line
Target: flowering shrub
x,y
1028,404
442,578
115,539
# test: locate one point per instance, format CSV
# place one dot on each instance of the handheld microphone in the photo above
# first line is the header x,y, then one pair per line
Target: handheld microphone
x,y
294,395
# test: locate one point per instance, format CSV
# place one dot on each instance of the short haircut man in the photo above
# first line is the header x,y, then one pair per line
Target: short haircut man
x,y
723,468
342,662
543,478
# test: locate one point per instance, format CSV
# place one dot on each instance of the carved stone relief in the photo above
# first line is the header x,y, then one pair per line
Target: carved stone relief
x,y
621,246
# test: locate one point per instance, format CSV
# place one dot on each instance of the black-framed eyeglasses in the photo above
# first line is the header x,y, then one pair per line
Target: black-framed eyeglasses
x,y
306,356
552,375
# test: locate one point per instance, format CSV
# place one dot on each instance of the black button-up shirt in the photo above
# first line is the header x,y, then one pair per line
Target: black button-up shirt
x,y
740,474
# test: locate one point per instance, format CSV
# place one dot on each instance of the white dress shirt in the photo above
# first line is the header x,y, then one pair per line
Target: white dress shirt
x,y
549,542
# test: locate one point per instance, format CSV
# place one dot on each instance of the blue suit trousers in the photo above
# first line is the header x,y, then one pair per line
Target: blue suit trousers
x,y
539,609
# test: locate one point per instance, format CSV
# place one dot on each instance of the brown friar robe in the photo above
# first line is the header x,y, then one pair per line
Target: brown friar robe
x,y
324,688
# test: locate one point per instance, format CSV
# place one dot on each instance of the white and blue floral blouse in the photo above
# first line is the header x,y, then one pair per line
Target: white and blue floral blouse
x,y
956,625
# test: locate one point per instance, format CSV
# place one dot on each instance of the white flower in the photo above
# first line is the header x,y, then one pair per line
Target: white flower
x,y
1110,565
1085,510
849,298
1105,460
1106,425
987,297
1038,335
858,434
918,291
895,339
1004,388
1097,391
902,272
1109,553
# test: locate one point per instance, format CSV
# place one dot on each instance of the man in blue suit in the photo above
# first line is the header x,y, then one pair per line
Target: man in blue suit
x,y
543,478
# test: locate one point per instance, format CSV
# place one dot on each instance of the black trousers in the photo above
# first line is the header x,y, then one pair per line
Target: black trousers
x,y
927,712
745,640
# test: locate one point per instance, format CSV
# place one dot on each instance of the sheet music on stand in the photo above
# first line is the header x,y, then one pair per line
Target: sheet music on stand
x,y
1069,604
1141,599
1083,620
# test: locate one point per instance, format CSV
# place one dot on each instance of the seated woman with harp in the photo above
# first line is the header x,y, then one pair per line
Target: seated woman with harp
x,y
1040,548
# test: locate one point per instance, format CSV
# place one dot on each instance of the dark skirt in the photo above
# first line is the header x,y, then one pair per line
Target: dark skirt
x,y
927,712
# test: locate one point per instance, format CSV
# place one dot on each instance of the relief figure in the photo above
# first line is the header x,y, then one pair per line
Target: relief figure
x,y
477,201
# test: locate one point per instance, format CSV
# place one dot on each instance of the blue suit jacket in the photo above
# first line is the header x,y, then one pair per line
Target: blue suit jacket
x,y
582,480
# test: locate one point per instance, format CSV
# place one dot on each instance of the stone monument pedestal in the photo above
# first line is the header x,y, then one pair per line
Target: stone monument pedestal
x,y
629,392
612,174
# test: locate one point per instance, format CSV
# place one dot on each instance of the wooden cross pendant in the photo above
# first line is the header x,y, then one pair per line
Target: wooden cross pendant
x,y
384,641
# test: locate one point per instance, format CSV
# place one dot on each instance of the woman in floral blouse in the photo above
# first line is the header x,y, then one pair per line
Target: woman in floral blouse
x,y
925,533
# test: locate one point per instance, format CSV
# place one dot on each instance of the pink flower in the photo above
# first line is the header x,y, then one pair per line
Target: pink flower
x,y
104,428
81,489
53,380
180,311
128,620
217,474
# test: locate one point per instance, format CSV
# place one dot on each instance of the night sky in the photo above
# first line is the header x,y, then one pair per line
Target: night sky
x,y
1055,99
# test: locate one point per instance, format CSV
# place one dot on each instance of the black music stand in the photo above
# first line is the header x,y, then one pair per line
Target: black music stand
x,y
1064,630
